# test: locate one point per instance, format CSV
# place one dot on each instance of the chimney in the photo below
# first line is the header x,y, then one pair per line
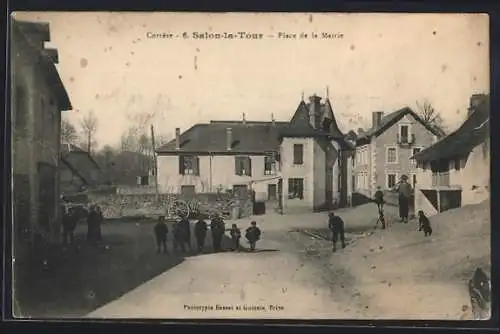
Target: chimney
x,y
377,118
229,138
315,111
244,119
272,119
361,132
177,138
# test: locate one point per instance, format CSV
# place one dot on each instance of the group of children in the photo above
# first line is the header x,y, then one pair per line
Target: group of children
x,y
182,234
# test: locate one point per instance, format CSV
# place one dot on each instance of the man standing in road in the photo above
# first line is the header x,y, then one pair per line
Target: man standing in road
x,y
336,225
217,227
200,232
405,192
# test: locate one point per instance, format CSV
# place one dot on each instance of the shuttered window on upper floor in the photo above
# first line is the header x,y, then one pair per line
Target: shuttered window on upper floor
x,y
298,154
243,165
189,165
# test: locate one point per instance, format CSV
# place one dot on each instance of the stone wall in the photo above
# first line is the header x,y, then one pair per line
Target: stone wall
x,y
149,205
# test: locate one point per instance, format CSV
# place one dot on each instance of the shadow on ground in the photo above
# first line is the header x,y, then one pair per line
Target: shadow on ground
x,y
82,278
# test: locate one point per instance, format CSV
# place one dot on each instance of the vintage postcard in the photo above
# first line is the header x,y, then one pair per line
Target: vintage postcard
x,y
250,165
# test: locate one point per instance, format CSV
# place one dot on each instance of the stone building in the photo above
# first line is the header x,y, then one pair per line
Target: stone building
x,y
38,97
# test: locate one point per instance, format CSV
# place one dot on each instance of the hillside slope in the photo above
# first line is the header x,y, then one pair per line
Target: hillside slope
x,y
405,275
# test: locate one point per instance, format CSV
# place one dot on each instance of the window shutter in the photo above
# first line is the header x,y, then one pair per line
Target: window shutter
x,y
249,166
196,165
181,165
236,166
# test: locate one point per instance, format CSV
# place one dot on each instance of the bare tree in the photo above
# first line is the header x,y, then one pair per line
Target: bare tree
x,y
89,126
68,133
430,116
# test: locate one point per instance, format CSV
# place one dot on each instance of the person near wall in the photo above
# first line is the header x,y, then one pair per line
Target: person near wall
x,y
405,191
200,233
218,229
379,199
235,237
161,233
185,227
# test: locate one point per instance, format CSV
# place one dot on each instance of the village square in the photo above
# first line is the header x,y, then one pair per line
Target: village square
x,y
301,210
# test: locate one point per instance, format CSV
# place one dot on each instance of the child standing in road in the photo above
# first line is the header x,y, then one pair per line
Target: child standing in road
x,y
235,237
253,235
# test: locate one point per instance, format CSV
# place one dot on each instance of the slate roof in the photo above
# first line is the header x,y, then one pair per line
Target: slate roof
x,y
389,120
251,137
474,131
248,137
80,162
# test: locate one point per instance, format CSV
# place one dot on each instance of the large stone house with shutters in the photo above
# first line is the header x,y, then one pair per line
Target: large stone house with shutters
x,y
456,170
383,153
38,97
301,165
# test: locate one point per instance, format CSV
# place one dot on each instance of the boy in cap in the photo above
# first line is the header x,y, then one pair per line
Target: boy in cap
x,y
253,235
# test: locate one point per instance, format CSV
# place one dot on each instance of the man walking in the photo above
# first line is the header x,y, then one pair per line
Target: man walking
x,y
336,225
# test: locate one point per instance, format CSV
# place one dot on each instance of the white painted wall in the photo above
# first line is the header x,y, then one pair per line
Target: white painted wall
x,y
305,171
476,173
319,175
223,174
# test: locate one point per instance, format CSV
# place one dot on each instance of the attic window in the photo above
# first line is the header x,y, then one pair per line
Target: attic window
x,y
185,142
327,122
234,143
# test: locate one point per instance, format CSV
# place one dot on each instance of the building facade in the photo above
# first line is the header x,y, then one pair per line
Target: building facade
x,y
383,153
38,97
299,165
456,170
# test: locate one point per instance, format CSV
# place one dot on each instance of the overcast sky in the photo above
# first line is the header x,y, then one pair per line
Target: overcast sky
x,y
383,62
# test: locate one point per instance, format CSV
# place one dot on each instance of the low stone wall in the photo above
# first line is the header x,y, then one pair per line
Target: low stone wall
x,y
149,205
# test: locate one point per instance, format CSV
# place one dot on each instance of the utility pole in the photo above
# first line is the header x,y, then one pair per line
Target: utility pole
x,y
155,160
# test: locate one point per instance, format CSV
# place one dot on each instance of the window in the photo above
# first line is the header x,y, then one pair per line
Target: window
x,y
353,182
269,165
414,180
403,133
391,156
143,180
189,165
456,164
415,150
391,180
243,166
296,188
298,154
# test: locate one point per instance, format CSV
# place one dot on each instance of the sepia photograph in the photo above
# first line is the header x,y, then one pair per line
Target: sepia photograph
x,y
289,166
